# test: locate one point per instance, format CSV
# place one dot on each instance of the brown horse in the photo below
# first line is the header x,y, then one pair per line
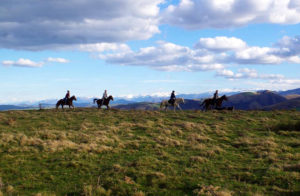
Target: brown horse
x,y
105,102
207,103
69,102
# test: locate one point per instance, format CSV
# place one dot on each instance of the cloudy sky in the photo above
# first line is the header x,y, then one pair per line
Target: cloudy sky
x,y
146,47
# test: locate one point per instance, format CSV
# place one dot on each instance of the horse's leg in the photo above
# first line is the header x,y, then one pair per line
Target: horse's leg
x,y
179,107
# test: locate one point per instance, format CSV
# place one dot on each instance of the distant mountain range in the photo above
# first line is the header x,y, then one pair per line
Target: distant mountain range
x,y
263,99
254,100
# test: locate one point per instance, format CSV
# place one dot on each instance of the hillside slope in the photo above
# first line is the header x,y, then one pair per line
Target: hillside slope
x,y
251,101
99,152
286,105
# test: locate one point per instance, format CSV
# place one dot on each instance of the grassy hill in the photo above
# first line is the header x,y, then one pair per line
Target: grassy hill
x,y
91,152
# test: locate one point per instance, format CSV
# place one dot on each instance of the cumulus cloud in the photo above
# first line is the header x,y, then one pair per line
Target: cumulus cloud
x,y
57,60
207,54
165,56
29,63
38,25
101,47
290,46
247,73
199,14
221,43
22,63
278,84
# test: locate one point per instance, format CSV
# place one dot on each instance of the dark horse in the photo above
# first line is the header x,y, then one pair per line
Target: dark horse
x,y
106,102
69,102
210,102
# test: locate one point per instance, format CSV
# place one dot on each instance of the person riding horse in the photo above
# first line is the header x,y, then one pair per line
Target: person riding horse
x,y
104,96
172,98
216,96
67,97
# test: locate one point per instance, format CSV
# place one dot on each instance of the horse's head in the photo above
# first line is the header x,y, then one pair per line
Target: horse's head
x,y
225,97
182,100
110,97
73,98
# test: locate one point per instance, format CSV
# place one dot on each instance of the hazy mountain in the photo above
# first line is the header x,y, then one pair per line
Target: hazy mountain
x,y
290,92
286,105
13,107
254,100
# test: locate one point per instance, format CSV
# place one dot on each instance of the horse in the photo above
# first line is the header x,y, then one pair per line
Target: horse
x,y
106,102
69,102
210,102
166,104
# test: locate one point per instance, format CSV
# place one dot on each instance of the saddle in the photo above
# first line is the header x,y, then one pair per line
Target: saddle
x,y
103,100
171,101
66,100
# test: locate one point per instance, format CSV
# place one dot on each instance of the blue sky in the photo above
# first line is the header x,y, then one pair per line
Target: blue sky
x,y
146,47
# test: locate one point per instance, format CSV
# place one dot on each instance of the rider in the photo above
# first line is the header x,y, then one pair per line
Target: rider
x,y
104,96
67,97
172,98
216,96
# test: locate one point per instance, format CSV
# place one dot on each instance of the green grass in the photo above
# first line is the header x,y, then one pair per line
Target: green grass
x,y
91,152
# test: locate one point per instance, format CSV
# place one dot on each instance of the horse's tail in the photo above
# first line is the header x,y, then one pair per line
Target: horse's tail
x,y
58,103
203,102
95,100
162,104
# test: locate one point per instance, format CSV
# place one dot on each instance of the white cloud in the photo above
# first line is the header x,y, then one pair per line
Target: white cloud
x,y
101,47
221,43
207,54
257,55
57,60
22,63
165,56
247,73
161,81
39,25
29,63
199,14
279,84
289,46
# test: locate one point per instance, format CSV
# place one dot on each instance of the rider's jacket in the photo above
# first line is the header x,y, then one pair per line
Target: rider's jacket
x,y
104,95
67,95
173,96
216,96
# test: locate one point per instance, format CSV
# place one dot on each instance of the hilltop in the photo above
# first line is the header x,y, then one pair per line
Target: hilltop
x,y
254,100
240,100
92,152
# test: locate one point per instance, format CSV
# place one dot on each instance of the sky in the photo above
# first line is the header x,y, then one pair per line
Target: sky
x,y
144,47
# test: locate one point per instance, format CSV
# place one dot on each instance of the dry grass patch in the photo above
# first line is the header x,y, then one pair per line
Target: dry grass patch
x,y
166,141
292,167
195,138
198,159
212,191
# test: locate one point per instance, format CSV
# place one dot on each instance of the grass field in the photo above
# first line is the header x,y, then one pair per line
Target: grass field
x,y
91,152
